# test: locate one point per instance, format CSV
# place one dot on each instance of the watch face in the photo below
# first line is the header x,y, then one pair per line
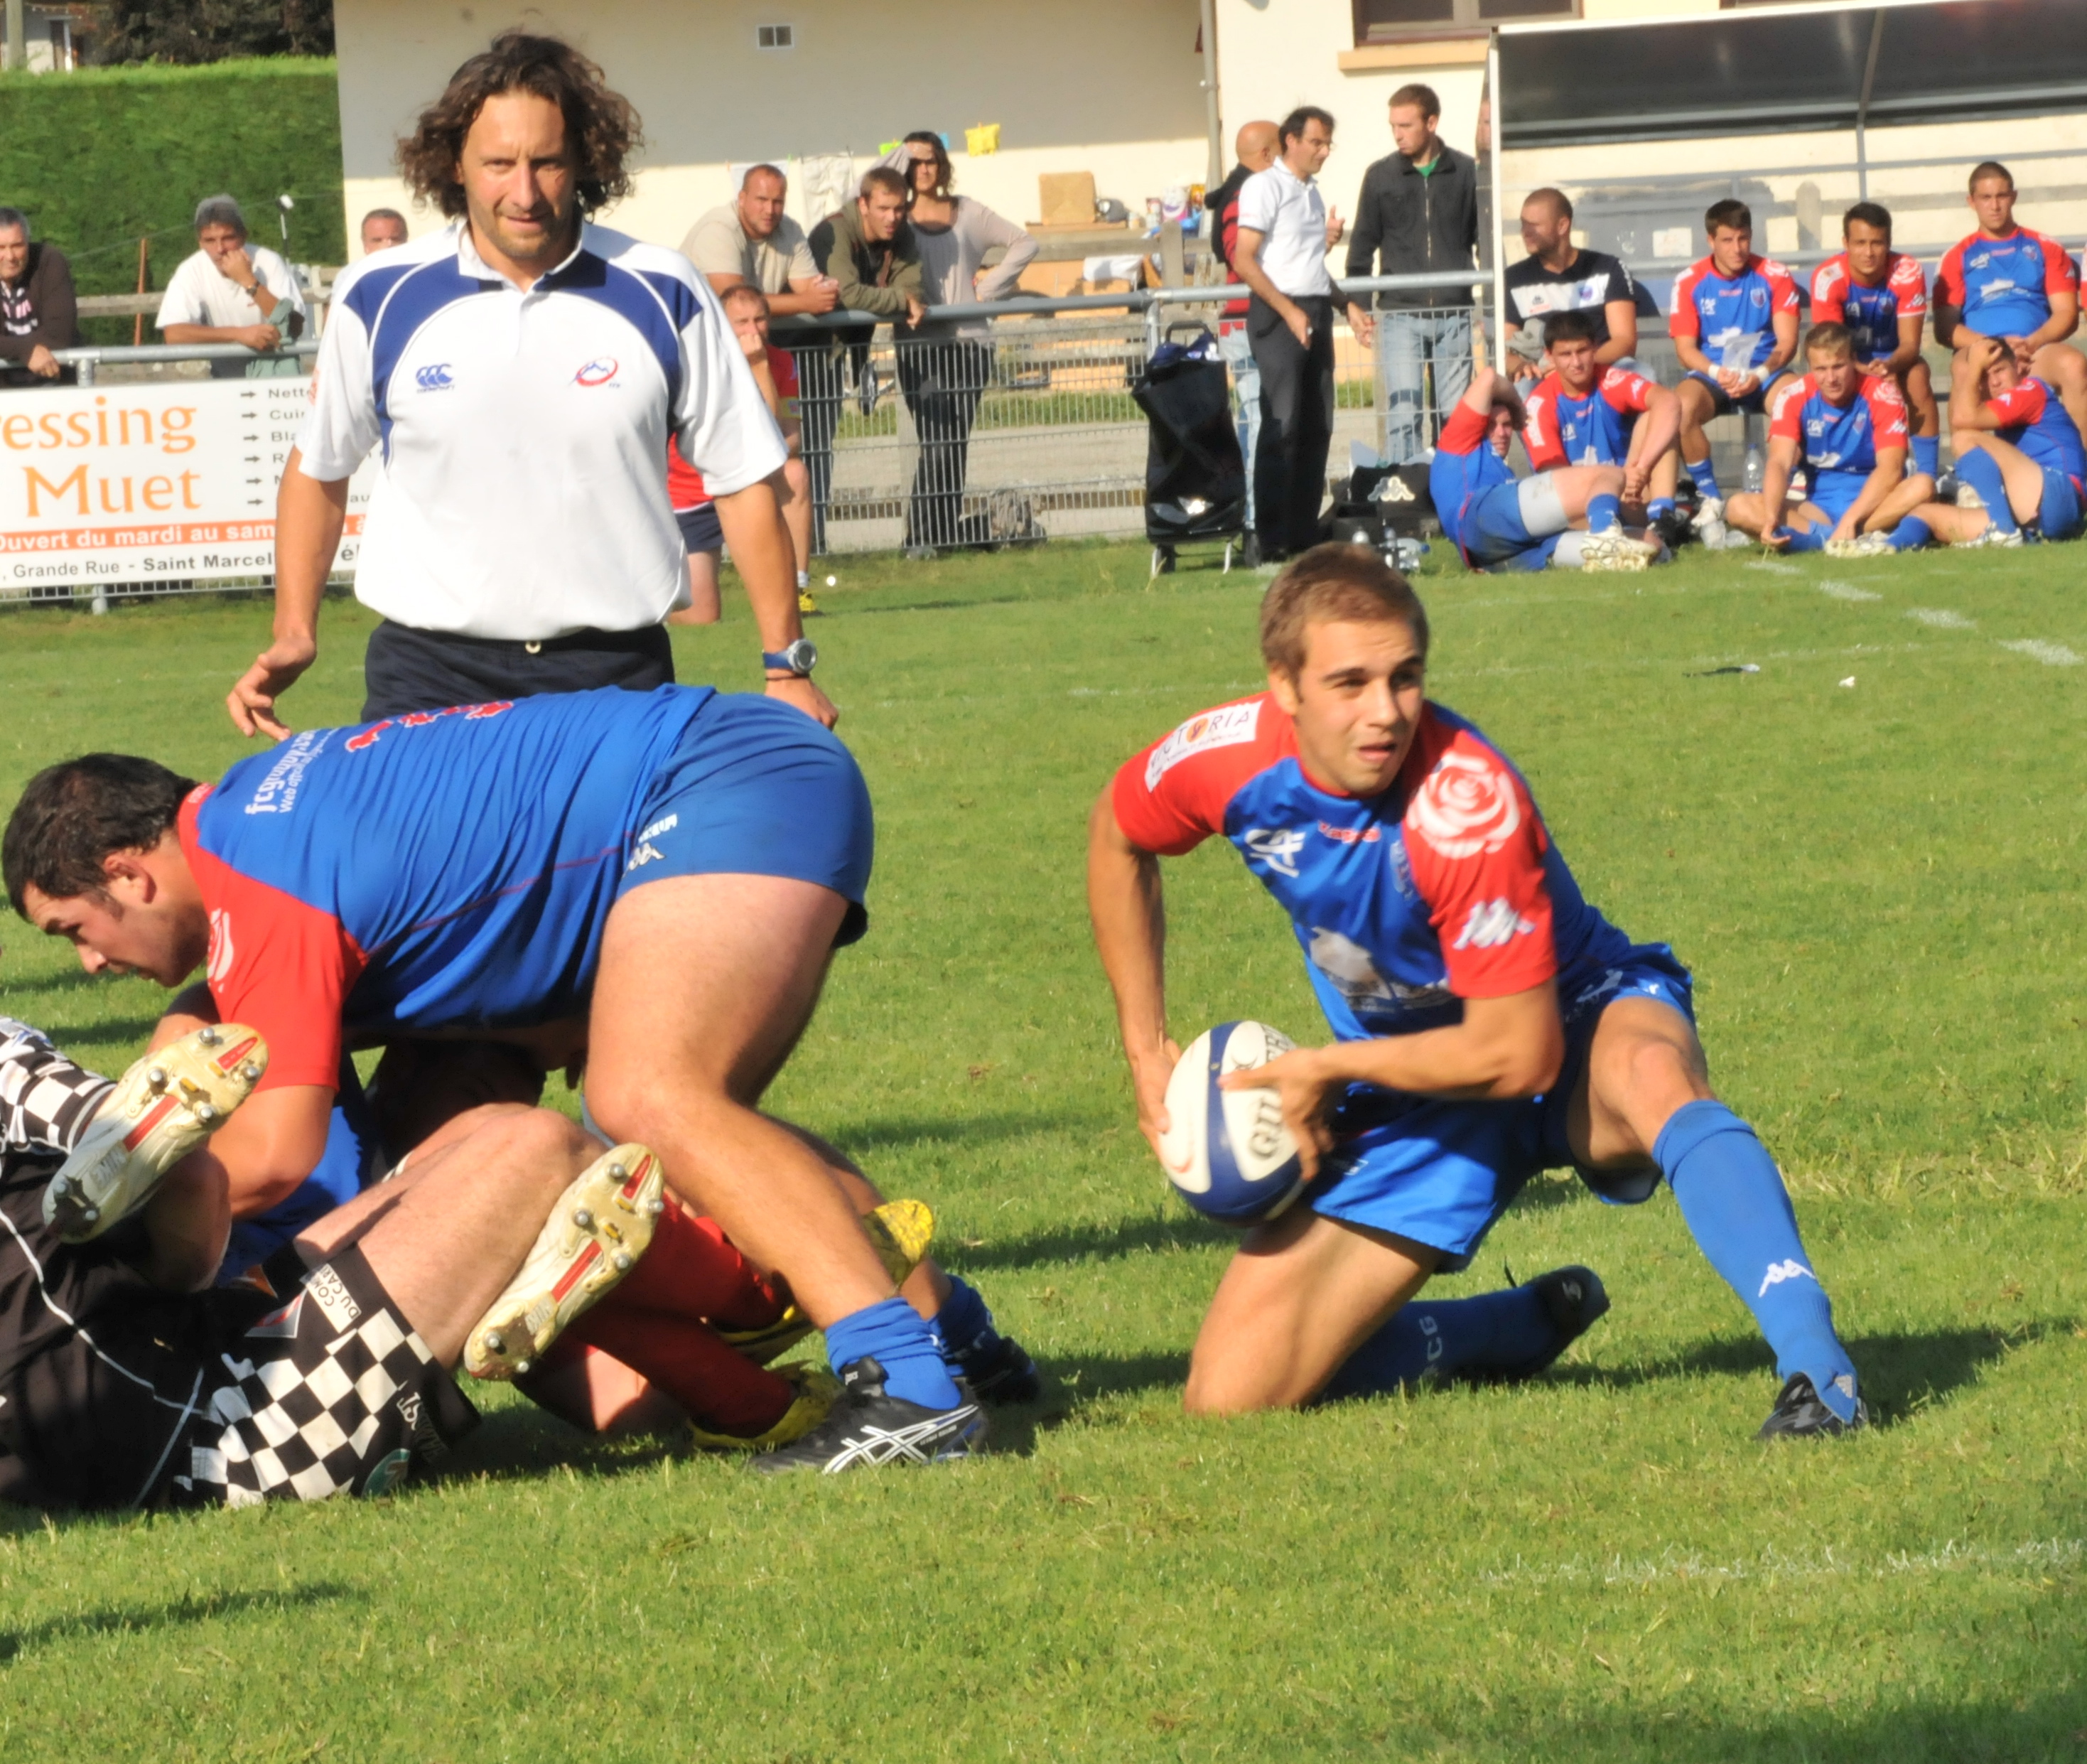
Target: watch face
x,y
804,655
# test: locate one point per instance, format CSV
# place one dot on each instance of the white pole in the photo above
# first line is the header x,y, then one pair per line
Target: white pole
x,y
1495,101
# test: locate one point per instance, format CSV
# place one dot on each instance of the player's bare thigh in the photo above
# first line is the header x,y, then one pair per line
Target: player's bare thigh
x,y
1646,1062
1303,1293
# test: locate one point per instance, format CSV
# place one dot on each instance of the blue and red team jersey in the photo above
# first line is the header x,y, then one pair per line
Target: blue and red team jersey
x,y
2041,427
1714,309
2003,287
1445,887
1465,467
1871,313
1842,437
447,869
1594,430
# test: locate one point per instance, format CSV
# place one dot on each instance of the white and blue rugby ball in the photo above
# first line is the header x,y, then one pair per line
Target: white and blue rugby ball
x,y
1228,1151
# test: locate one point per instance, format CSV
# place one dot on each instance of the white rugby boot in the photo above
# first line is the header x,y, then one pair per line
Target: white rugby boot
x,y
1616,549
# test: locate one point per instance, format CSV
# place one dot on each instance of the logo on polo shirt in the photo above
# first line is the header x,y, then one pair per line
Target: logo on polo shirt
x,y
597,372
434,378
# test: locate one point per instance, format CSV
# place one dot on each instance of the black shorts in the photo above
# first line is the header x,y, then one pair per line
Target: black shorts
x,y
333,1392
700,528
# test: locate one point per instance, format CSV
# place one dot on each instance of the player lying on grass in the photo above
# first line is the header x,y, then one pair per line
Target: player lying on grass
x,y
1571,517
2021,471
1581,413
651,883
1847,430
2005,281
129,1381
1489,1024
1734,324
1881,296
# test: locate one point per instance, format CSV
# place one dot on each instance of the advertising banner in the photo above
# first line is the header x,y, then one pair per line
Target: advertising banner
x,y
107,485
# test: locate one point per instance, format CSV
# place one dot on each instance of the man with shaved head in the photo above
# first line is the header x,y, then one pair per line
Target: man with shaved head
x,y
1256,144
1558,276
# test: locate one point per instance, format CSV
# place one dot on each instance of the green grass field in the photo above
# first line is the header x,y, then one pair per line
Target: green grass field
x,y
1879,887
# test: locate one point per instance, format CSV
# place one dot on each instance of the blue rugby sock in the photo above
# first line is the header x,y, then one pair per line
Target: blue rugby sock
x,y
1910,534
1658,506
1732,1197
963,1325
1980,470
1494,1332
1605,514
1814,539
892,1333
1706,478
1926,454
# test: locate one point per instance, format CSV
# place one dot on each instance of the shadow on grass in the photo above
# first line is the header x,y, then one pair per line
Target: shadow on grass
x,y
868,1137
189,1608
1078,1243
1068,1389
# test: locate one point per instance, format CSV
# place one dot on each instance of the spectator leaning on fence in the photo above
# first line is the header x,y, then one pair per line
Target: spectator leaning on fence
x,y
522,371
1256,143
946,364
867,247
1419,212
230,290
1281,255
38,313
382,228
751,239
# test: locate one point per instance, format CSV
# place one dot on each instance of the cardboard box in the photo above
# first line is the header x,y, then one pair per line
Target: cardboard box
x,y
1067,199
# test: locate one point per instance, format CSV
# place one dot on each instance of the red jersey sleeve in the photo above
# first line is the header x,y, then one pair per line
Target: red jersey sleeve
x,y
1465,430
2059,274
2024,404
1950,278
1888,424
1684,320
1539,434
1172,797
1788,419
278,965
1829,304
1476,846
1625,390
1909,282
1781,286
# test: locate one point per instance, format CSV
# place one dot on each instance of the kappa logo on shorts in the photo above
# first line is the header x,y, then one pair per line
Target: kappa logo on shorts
x,y
329,1291
647,853
1225,727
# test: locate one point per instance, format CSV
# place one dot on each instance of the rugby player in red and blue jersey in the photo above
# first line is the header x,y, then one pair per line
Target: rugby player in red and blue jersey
x,y
1581,413
2008,282
1734,324
1488,1023
653,883
2021,470
1847,430
1881,296
1571,517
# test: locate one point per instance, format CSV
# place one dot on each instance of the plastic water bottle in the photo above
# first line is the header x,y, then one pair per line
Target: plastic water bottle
x,y
1756,467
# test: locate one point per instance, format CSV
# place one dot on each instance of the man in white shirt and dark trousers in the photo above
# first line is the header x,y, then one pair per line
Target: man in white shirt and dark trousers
x,y
521,371
1281,256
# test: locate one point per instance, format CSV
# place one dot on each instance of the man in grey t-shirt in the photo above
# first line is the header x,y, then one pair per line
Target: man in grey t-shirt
x,y
752,240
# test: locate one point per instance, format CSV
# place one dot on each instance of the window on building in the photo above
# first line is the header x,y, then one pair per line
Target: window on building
x,y
1385,21
775,36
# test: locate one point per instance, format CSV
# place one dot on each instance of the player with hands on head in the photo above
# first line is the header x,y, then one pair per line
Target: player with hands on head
x,y
1847,428
1881,296
1488,1023
1569,517
2021,470
1583,413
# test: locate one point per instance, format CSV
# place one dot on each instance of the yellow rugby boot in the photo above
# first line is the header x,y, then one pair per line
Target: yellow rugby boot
x,y
816,1391
900,1230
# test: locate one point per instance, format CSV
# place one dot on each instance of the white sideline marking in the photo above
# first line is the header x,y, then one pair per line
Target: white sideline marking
x,y
2051,655
1941,618
1777,568
2042,1553
1847,591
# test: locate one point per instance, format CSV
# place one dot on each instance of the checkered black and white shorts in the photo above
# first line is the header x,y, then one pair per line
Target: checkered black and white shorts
x,y
333,1392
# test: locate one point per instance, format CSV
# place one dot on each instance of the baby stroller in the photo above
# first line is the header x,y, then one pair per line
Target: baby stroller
x,y
1195,480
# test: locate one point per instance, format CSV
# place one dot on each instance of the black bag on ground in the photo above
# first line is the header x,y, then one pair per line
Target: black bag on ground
x,y
1195,479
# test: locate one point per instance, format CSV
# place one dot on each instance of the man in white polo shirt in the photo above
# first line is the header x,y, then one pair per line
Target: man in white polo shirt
x,y
1281,255
230,290
521,371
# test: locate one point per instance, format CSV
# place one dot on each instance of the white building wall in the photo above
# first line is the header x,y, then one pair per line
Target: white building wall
x,y
1106,86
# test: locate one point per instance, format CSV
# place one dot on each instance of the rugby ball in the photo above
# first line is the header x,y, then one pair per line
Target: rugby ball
x,y
1227,1151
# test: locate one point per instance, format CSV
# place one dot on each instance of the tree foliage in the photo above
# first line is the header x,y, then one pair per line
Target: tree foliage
x,y
187,31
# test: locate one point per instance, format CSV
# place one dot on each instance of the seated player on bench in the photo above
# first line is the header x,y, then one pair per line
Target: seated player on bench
x,y
2021,470
1558,276
651,883
1582,413
130,1381
1571,517
2005,281
1881,296
1847,430
1488,1023
1734,326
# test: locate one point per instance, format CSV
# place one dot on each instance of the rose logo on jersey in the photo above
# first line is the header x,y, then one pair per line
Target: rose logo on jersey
x,y
218,963
597,372
1464,807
